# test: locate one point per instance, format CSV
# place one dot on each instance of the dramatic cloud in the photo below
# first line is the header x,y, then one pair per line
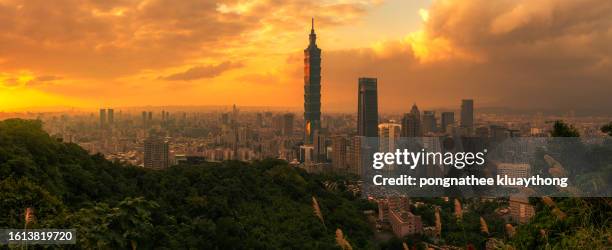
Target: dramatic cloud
x,y
537,55
200,72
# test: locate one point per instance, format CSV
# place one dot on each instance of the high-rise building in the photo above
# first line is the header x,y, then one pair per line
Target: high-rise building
x,y
340,153
312,88
156,153
447,118
144,119
388,133
357,154
287,128
111,116
102,118
367,109
467,113
411,123
319,147
429,122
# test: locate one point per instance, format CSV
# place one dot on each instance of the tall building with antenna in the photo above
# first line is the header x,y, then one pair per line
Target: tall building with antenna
x,y
312,88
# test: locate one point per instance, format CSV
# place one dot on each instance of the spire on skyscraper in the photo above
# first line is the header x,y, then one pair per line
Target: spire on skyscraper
x,y
313,36
312,26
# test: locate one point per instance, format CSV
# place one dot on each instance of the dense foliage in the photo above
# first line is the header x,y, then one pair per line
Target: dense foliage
x,y
233,205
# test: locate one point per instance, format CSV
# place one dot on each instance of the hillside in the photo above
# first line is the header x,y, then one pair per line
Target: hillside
x,y
232,205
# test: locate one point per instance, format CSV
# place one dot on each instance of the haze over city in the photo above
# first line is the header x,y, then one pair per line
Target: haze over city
x,y
524,55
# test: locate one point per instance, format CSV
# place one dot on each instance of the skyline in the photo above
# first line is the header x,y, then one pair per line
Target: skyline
x,y
527,56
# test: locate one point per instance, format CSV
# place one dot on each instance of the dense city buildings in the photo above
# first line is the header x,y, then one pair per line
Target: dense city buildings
x,y
513,170
520,209
411,123
312,88
429,122
467,113
388,134
111,116
340,153
156,153
102,118
447,119
287,128
396,212
367,107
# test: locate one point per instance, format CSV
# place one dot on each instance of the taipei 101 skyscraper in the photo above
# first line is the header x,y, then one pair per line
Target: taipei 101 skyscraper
x,y
312,88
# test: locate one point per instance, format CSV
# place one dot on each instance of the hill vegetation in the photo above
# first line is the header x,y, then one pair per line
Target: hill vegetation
x,y
231,205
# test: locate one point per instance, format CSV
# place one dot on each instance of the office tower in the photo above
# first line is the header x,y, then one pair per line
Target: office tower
x,y
411,123
111,116
144,119
367,109
150,117
156,153
388,133
448,118
429,122
319,145
467,113
102,118
340,153
163,115
277,124
235,115
357,157
287,128
312,88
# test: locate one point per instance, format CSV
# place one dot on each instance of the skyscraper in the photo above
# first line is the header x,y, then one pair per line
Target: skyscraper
x,y
411,123
144,119
367,107
319,147
156,153
448,118
467,113
340,153
102,118
429,122
312,88
287,127
388,135
111,116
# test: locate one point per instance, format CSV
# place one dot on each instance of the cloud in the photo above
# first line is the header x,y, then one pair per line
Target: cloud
x,y
48,78
199,72
532,55
110,39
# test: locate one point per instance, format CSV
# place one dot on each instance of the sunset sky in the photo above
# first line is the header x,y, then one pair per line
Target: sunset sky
x,y
114,53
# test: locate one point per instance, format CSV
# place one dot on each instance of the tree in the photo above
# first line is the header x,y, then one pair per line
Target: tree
x,y
562,129
607,129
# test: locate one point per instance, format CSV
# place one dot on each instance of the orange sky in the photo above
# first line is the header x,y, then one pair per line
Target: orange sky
x,y
89,54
